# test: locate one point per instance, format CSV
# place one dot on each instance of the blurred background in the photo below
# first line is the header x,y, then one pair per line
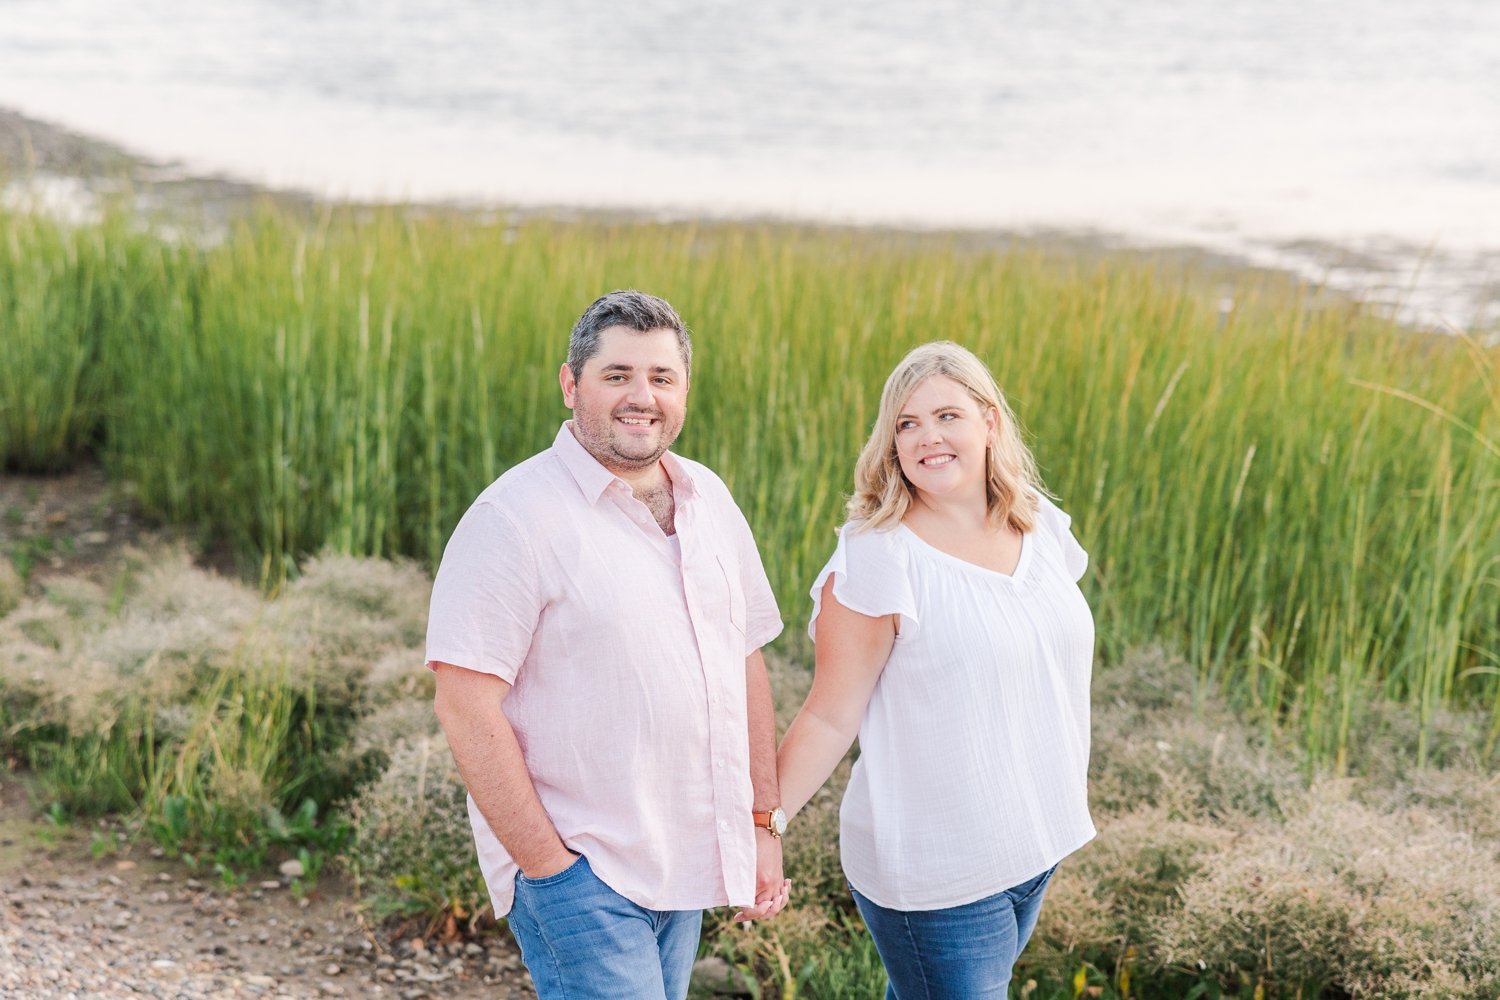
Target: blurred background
x,y
1356,144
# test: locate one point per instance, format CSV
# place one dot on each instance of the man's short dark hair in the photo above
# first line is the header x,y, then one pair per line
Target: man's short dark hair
x,y
628,308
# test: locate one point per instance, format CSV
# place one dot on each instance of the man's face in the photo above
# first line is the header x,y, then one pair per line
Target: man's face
x,y
629,402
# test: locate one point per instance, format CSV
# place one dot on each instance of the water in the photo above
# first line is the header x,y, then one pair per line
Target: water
x,y
1356,142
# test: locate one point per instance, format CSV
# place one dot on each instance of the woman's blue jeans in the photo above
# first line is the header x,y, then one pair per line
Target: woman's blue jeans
x,y
581,940
958,953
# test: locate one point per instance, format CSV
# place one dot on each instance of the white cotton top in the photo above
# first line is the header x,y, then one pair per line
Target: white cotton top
x,y
973,753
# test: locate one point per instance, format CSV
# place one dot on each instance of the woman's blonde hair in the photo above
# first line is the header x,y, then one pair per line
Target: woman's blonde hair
x,y
882,493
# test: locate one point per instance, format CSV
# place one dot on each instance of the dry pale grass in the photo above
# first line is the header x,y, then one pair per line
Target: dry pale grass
x,y
413,852
1341,896
1216,857
167,627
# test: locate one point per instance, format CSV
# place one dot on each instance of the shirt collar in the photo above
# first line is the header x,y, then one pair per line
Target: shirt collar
x,y
594,479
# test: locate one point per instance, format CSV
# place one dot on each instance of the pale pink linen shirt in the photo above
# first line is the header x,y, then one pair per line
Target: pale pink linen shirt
x,y
628,665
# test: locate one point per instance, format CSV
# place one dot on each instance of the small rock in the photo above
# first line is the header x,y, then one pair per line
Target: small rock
x,y
715,977
270,884
163,963
332,969
292,869
94,537
124,866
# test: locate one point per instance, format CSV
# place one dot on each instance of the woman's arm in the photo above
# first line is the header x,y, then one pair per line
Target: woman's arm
x,y
851,651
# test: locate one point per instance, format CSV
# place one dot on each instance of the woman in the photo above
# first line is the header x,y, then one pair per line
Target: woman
x,y
952,637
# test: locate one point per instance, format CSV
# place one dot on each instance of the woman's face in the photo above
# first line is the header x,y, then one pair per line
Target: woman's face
x,y
941,439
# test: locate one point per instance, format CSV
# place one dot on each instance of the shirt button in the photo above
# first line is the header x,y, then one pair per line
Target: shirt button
x,y
723,824
719,762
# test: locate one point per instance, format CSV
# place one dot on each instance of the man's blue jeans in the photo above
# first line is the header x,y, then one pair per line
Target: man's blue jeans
x,y
958,953
581,940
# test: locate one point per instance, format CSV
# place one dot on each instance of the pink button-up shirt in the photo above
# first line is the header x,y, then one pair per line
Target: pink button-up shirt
x,y
627,660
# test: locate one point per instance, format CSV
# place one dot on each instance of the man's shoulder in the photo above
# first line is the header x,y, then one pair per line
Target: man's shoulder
x,y
532,482
705,480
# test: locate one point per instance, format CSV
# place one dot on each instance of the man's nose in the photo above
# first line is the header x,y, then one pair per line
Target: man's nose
x,y
641,393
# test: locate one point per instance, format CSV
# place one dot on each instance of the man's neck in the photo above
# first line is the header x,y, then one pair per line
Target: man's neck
x,y
646,480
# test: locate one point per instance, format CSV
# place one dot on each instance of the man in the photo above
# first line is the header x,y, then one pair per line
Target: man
x,y
595,630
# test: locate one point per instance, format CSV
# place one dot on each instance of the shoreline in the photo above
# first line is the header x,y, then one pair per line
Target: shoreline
x,y
53,169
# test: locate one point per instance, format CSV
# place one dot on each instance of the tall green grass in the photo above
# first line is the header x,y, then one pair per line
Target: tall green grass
x,y
1305,498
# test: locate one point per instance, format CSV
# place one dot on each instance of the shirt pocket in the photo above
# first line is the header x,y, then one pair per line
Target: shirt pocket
x,y
735,591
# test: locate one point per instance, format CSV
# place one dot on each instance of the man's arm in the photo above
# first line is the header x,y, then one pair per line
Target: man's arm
x,y
489,760
771,888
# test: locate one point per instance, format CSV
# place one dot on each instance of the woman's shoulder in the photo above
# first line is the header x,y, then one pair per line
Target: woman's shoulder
x,y
869,548
867,537
1052,521
1050,516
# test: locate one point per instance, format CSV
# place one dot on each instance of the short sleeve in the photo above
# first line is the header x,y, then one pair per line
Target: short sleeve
x,y
871,575
762,616
486,599
1056,523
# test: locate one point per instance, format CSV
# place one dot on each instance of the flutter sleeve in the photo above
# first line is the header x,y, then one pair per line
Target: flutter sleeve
x,y
1058,525
871,575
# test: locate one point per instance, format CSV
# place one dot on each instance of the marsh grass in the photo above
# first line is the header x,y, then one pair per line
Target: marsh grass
x,y
1302,497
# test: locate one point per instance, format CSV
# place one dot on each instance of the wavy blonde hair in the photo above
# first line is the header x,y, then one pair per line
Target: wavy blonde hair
x,y
882,493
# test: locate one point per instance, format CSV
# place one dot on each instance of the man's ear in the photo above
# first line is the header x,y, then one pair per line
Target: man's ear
x,y
569,385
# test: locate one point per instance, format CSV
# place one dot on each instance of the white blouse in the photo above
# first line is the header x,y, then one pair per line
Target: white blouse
x,y
973,753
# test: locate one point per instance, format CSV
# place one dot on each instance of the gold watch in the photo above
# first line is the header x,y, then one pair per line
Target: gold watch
x,y
774,821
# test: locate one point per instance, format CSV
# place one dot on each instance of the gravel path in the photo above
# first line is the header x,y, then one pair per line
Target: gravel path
x,y
73,927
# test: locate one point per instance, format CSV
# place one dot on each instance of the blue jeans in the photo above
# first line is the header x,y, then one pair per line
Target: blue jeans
x,y
958,953
581,940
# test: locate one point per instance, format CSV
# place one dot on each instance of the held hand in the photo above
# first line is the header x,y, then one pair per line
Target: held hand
x,y
771,889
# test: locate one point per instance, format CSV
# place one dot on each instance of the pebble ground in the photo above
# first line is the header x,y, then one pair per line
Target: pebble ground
x,y
72,927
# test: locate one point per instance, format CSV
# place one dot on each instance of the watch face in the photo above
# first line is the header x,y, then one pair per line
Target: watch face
x,y
778,821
